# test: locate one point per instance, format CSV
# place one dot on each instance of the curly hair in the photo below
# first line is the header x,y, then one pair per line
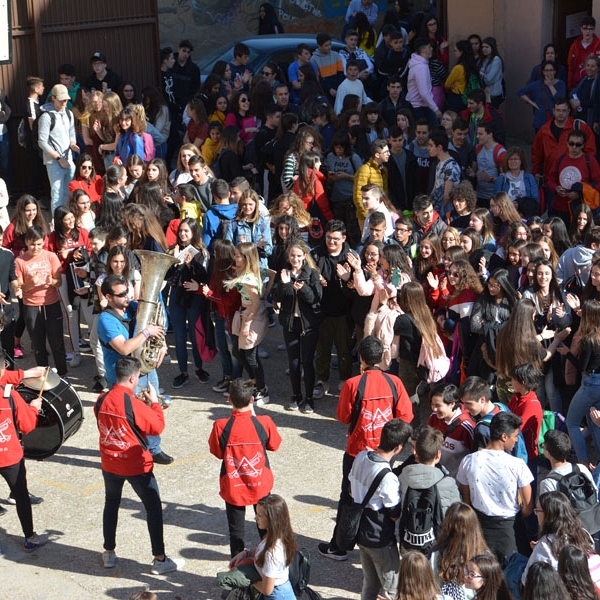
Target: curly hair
x,y
467,279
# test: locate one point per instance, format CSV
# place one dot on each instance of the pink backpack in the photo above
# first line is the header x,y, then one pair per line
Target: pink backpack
x,y
437,367
149,149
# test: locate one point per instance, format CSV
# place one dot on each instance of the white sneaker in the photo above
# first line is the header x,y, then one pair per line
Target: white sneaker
x,y
319,390
160,567
108,559
76,360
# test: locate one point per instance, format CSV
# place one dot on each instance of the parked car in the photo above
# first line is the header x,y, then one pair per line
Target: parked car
x,y
280,49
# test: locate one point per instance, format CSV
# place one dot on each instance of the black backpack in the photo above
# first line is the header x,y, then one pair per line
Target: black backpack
x,y
582,495
300,575
421,519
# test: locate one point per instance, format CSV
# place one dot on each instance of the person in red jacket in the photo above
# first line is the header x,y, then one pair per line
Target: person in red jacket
x,y
124,421
17,416
86,179
241,442
569,174
524,403
587,44
367,402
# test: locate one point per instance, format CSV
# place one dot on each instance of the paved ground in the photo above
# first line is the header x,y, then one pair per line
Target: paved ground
x,y
307,473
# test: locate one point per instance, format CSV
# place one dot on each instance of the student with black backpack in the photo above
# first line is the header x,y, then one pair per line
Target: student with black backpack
x,y
427,492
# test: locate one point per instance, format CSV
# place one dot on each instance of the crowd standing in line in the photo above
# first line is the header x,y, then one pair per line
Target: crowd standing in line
x,y
367,198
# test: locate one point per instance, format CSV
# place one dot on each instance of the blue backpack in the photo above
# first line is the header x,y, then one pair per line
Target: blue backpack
x,y
520,451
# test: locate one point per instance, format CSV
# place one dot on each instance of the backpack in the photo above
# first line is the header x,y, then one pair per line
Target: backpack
x,y
519,451
437,367
222,229
421,518
473,83
300,575
582,495
550,420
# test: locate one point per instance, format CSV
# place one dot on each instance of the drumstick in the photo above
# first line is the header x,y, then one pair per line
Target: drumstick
x,y
43,382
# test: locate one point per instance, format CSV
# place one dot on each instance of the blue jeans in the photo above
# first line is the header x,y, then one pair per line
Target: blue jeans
x,y
59,182
146,487
281,592
587,395
183,320
230,365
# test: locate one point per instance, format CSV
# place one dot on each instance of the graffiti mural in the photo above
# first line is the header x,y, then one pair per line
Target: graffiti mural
x,y
212,23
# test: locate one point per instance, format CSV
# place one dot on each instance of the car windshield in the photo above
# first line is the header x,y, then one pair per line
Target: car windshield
x,y
223,53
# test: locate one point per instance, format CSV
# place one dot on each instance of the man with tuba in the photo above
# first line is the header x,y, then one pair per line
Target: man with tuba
x,y
116,326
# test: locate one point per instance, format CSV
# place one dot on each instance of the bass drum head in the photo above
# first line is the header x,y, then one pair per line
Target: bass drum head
x,y
60,418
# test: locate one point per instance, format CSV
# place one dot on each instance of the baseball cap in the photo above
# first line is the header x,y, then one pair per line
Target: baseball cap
x,y
60,92
98,56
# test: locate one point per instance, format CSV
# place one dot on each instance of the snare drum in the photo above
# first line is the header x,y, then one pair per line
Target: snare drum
x,y
60,418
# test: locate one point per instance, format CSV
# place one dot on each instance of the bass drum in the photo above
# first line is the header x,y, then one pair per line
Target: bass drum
x,y
60,418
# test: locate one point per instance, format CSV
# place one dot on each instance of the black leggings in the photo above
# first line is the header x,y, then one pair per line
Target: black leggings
x,y
46,322
250,362
16,477
301,355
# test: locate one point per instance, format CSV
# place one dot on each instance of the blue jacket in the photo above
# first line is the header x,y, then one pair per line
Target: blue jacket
x,y
253,232
212,220
531,189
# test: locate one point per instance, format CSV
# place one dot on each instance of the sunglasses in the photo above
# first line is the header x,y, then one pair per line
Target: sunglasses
x,y
121,295
86,167
266,73
575,144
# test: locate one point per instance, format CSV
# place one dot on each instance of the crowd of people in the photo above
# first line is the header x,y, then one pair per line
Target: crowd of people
x,y
366,200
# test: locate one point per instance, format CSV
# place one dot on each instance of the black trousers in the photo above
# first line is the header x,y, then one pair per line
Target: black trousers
x,y
345,497
236,522
46,322
16,478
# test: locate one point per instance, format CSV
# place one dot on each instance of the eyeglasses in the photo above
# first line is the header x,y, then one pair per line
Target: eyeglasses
x,y
575,144
494,286
121,295
472,575
309,142
453,274
86,167
336,240
402,230
587,28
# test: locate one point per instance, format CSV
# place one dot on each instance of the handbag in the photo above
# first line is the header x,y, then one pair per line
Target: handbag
x,y
346,532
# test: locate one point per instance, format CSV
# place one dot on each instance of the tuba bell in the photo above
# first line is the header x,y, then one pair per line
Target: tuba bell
x,y
150,309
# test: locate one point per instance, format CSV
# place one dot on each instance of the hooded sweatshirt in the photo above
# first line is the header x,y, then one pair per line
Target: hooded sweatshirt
x,y
421,477
575,261
212,221
418,87
330,67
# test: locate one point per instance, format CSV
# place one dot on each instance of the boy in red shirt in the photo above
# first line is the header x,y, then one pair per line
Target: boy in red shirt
x,y
242,441
524,403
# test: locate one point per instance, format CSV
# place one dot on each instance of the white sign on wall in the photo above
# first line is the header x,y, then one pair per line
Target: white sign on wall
x,y
5,33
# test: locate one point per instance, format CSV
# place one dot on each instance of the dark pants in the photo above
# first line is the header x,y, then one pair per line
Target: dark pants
x,y
300,348
346,212
236,522
146,487
47,322
7,339
345,497
250,362
499,533
183,320
16,478
334,330
20,322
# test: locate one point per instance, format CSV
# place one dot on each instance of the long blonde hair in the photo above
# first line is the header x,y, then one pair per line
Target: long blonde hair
x,y
251,266
412,301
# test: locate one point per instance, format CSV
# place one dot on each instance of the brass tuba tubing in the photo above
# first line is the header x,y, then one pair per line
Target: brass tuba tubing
x,y
150,311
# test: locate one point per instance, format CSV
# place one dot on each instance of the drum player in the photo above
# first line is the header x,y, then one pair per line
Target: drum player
x,y
16,415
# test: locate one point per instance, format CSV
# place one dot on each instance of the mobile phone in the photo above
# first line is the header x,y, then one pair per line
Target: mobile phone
x,y
396,277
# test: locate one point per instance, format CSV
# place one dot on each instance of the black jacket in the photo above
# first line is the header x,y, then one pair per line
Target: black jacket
x,y
308,297
336,297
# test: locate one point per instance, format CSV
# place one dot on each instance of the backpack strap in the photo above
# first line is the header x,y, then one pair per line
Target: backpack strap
x,y
374,485
263,436
13,408
357,403
141,438
129,324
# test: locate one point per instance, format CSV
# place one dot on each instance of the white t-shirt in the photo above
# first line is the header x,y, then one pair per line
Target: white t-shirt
x,y
274,566
494,478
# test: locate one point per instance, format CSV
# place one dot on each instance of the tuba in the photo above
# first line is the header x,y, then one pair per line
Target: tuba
x,y
150,309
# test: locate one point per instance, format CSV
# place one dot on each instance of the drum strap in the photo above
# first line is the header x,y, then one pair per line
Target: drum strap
x,y
141,438
14,414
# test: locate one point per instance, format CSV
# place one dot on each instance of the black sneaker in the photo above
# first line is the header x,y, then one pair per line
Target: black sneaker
x,y
222,386
181,380
327,551
3,511
162,459
203,375
100,386
33,499
261,397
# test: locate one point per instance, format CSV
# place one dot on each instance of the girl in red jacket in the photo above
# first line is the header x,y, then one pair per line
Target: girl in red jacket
x,y
310,184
